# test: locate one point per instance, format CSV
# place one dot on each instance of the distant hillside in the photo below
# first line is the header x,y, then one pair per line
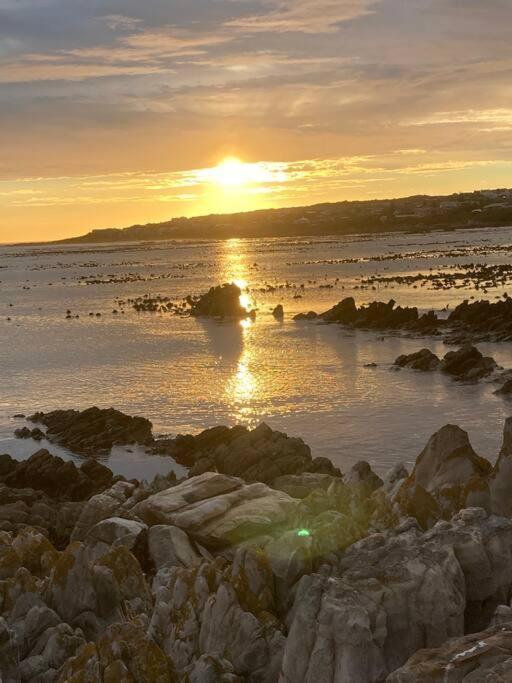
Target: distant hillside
x,y
418,213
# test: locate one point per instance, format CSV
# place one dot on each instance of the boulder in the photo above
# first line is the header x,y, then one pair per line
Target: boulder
x,y
219,302
447,476
500,480
101,507
362,476
423,360
217,510
467,364
113,532
169,546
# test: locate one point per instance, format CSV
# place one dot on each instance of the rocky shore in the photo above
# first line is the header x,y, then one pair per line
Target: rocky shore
x,y
263,564
469,322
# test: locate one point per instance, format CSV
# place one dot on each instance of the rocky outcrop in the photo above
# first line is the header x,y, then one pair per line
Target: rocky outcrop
x,y
376,315
219,302
258,455
95,430
58,478
467,364
423,360
479,657
483,320
448,476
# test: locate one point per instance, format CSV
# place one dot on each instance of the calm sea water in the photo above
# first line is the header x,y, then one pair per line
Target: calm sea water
x,y
184,374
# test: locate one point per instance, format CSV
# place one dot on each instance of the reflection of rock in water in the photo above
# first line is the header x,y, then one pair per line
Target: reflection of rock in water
x,y
226,339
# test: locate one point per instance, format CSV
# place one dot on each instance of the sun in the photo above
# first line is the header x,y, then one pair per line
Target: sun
x,y
232,172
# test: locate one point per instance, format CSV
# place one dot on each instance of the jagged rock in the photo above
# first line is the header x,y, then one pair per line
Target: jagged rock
x,y
113,532
101,507
219,302
362,475
386,599
423,360
92,594
394,479
500,480
123,654
301,485
220,612
217,510
467,364
169,546
95,430
58,478
448,475
258,455
484,320
476,658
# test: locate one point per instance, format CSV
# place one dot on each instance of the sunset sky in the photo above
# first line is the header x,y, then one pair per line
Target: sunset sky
x,y
114,112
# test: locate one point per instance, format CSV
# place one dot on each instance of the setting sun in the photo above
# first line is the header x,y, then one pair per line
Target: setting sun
x,y
232,172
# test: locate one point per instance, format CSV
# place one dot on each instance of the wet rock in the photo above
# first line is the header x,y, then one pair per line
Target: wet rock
x,y
484,320
505,390
258,455
219,302
423,360
56,477
22,433
93,431
467,364
278,312
311,315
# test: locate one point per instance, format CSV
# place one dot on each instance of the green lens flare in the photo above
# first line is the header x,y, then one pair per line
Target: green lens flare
x,y
303,532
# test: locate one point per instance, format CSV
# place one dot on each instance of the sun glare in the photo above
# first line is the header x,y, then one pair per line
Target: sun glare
x,y
232,172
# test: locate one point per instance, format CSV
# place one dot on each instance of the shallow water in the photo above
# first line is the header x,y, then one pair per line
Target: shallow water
x,y
185,374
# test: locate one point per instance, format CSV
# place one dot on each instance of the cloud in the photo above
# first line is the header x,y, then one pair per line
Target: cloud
x,y
304,16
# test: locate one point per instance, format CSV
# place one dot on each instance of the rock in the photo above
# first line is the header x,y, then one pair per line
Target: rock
x,y
217,510
169,546
311,315
361,475
211,669
124,654
258,455
301,485
500,480
113,532
219,302
278,312
22,433
479,657
467,364
101,507
448,475
423,360
222,613
93,431
505,390
58,478
484,320
385,600
395,478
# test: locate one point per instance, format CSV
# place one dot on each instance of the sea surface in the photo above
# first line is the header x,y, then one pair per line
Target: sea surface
x,y
306,379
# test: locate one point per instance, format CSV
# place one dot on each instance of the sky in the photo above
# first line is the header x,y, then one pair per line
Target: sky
x,y
117,112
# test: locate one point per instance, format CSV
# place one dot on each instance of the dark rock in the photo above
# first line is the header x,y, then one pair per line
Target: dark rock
x,y
22,433
306,316
219,302
361,475
506,389
484,320
423,360
260,455
94,431
57,478
278,312
467,364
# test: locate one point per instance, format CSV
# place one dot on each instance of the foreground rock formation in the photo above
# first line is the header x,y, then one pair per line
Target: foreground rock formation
x,y
466,364
222,578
